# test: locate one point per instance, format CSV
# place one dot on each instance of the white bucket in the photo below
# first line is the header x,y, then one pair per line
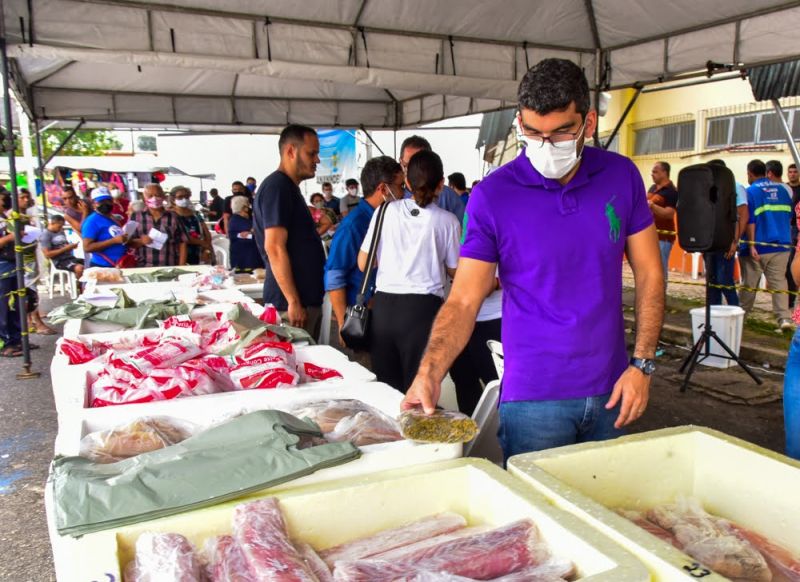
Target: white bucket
x,y
726,322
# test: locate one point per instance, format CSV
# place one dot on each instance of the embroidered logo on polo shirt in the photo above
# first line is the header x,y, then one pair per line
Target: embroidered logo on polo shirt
x,y
613,220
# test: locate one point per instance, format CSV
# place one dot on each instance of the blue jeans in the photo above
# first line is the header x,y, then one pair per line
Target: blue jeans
x,y
791,398
719,270
665,246
528,425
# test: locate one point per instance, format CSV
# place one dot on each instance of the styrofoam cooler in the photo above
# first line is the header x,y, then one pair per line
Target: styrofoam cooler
x,y
731,478
727,322
203,412
328,514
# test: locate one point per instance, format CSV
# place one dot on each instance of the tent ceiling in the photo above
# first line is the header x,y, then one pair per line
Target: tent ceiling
x,y
255,65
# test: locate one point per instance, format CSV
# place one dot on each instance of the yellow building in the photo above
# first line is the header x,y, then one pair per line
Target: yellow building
x,y
695,124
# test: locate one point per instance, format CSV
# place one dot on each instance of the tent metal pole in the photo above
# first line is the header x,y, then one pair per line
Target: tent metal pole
x,y
18,297
623,118
369,137
40,167
788,131
65,142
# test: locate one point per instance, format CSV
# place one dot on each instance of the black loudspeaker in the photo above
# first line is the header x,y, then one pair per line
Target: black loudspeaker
x,y
706,208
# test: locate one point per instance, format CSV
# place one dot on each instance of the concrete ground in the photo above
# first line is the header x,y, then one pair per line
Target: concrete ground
x,y
726,400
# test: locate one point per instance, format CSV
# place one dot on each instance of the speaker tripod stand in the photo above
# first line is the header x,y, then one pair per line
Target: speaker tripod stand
x,y
702,348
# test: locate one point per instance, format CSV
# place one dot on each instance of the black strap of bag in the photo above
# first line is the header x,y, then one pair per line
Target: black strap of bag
x,y
371,256
355,329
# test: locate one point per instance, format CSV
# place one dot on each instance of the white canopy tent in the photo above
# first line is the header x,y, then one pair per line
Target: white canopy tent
x,y
251,65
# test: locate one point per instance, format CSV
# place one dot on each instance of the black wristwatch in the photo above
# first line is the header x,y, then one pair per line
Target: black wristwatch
x,y
646,366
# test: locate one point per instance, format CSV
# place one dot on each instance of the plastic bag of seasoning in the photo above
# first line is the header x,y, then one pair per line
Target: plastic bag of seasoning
x,y
443,426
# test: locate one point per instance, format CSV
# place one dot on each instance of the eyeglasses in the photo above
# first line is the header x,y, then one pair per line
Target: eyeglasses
x,y
559,139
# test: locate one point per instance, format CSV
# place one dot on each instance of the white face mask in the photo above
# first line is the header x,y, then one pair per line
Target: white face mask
x,y
352,191
550,161
116,193
183,202
319,204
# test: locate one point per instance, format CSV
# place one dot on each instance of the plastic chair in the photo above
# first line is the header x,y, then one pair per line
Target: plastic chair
x,y
64,276
486,445
222,254
497,356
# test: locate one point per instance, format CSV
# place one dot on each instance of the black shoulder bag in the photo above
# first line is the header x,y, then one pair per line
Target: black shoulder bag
x,y
355,329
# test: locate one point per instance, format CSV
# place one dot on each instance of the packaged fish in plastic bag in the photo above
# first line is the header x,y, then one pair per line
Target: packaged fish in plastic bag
x,y
443,426
350,420
134,438
164,556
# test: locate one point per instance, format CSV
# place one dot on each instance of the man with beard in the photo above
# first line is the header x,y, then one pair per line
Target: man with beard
x,y
285,233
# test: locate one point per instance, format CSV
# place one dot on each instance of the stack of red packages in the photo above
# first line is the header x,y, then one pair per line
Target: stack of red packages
x,y
265,365
78,352
170,368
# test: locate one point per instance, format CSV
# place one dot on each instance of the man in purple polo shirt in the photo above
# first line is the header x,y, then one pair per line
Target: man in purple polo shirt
x,y
567,375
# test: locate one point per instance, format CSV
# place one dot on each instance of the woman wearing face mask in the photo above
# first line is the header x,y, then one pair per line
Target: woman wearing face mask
x,y
321,215
418,248
198,238
102,235
244,253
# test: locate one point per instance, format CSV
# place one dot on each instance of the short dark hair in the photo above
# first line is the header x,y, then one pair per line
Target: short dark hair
x,y
424,173
718,162
314,195
458,180
416,142
757,168
5,199
380,170
327,185
250,178
551,85
56,218
238,183
665,166
213,191
792,166
69,188
294,134
351,182
775,168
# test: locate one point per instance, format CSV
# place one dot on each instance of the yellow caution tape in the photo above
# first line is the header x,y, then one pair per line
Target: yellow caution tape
x,y
741,241
736,287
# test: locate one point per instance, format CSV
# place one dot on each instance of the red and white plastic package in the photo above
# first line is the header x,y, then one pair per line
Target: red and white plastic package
x,y
192,378
77,352
282,351
260,530
164,557
139,363
262,373
270,315
182,325
312,373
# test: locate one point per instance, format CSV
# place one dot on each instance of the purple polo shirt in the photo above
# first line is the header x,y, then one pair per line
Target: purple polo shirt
x,y
559,251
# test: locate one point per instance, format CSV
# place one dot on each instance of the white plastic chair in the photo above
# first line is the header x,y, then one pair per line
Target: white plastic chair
x,y
496,348
486,445
64,278
222,253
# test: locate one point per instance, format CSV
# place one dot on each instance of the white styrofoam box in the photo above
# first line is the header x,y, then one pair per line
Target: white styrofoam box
x,y
747,484
727,321
205,412
328,514
168,290
71,382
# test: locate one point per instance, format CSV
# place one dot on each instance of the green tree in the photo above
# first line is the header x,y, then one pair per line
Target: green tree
x,y
146,143
83,143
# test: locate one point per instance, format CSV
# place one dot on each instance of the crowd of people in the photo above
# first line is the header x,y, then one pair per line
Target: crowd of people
x,y
455,266
764,242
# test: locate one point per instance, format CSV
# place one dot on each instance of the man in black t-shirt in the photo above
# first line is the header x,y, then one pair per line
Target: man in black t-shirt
x,y
216,206
285,233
